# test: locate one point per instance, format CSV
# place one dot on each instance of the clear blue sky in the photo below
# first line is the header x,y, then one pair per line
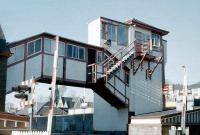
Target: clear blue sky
x,y
23,18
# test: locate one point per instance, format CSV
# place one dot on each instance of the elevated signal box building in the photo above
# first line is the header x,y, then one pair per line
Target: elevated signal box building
x,y
123,63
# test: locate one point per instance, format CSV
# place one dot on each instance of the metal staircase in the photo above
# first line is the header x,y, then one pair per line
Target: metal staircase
x,y
104,82
116,61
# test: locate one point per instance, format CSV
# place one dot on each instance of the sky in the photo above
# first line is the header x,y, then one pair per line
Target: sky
x,y
69,18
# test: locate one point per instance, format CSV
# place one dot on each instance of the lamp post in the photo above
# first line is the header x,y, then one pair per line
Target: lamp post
x,y
183,114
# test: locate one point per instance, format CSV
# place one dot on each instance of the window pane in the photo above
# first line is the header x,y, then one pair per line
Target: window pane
x,y
53,45
47,45
38,45
69,51
155,39
138,36
111,32
99,57
103,30
61,49
81,53
122,35
30,48
75,52
12,58
19,54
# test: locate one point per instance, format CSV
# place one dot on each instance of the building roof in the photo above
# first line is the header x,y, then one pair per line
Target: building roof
x,y
139,23
10,116
53,35
160,114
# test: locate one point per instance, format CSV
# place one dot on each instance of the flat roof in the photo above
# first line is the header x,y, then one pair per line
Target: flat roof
x,y
161,114
146,26
53,35
139,24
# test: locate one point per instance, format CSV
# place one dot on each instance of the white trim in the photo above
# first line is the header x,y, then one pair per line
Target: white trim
x,y
146,121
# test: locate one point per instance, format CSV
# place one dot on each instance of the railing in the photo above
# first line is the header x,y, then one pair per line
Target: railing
x,y
92,78
29,133
92,72
111,56
114,86
119,53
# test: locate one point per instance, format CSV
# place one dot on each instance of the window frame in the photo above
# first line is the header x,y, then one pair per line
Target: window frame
x,y
14,61
145,37
105,31
72,54
51,46
125,29
101,57
49,52
63,55
154,38
28,55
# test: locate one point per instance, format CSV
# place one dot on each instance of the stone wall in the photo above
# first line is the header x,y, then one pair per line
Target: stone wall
x,y
145,129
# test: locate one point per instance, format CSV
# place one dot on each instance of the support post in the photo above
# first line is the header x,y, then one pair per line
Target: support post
x,y
53,84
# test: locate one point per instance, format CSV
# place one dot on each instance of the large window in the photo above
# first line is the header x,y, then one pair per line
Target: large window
x,y
75,52
116,33
109,31
122,35
142,38
61,49
49,46
155,40
34,47
17,54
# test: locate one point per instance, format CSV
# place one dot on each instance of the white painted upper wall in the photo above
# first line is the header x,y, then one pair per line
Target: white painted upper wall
x,y
95,35
94,32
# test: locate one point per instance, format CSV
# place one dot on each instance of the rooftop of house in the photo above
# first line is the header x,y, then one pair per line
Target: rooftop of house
x,y
141,24
46,34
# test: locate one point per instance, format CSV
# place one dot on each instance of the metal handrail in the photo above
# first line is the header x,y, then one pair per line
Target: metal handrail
x,y
111,56
119,52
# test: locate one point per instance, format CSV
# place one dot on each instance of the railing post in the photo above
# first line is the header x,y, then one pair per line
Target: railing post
x,y
92,73
106,75
95,73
